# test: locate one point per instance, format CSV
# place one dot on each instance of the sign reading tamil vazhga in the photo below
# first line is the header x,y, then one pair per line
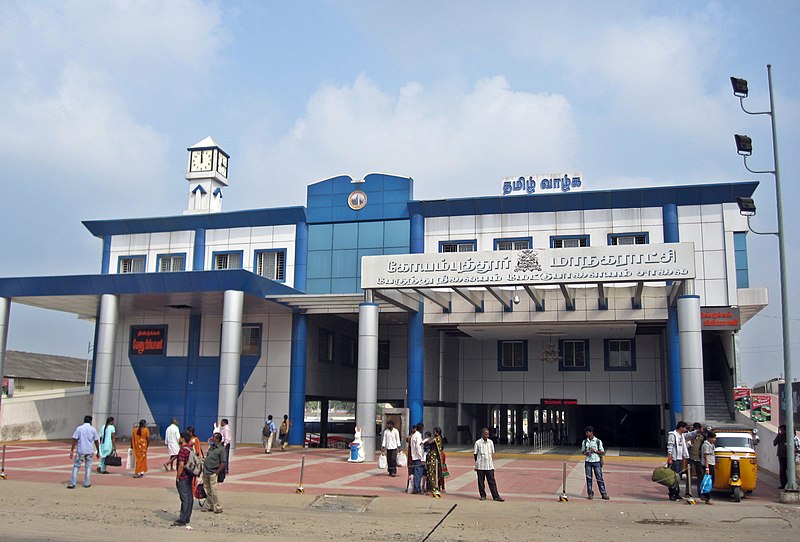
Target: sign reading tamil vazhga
x,y
629,263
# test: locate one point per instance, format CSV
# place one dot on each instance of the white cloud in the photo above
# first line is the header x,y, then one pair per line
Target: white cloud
x,y
467,139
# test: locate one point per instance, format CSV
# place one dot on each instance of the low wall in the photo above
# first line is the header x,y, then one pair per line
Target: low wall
x,y
44,415
767,453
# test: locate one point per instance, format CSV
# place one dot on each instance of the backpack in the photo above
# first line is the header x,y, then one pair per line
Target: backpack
x,y
194,465
265,432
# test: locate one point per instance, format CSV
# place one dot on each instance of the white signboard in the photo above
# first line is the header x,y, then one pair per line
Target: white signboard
x,y
555,183
630,263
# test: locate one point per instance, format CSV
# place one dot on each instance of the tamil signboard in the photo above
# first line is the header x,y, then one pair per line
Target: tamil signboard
x,y
555,183
741,398
629,263
720,318
148,341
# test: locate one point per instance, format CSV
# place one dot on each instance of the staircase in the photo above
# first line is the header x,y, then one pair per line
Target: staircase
x,y
717,409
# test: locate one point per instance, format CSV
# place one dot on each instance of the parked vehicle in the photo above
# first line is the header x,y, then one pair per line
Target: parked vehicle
x,y
736,469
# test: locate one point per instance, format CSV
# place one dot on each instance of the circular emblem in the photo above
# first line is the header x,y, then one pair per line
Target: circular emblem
x,y
357,200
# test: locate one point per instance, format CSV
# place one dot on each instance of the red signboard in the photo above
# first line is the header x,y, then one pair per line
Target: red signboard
x,y
148,341
720,318
741,398
558,402
761,407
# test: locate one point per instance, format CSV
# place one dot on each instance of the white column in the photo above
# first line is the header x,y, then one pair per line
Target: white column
x,y
230,351
5,310
691,349
367,390
104,357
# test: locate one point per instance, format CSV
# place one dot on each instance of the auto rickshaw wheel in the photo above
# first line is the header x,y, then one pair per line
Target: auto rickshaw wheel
x,y
748,491
737,494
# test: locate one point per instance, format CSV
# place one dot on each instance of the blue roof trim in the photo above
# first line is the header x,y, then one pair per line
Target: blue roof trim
x,y
199,188
212,221
144,283
606,199
218,192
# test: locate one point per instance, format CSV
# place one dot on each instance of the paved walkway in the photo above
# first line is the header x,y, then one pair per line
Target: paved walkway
x,y
520,476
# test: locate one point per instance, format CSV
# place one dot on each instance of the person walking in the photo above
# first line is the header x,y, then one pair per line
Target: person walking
x,y
592,448
268,434
212,467
171,439
107,444
283,432
484,465
140,442
708,461
195,442
183,481
225,431
417,457
780,442
87,442
389,445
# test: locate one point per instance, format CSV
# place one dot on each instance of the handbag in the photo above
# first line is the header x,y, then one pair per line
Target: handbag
x,y
130,462
113,460
382,462
221,476
705,485
402,459
665,476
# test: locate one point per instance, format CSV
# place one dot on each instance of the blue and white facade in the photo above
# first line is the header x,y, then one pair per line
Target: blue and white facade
x,y
216,314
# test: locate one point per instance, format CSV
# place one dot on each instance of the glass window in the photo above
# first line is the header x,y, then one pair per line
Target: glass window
x,y
742,272
457,246
574,355
383,354
251,339
620,355
131,264
574,241
271,264
227,260
349,351
171,262
325,345
512,355
628,239
513,244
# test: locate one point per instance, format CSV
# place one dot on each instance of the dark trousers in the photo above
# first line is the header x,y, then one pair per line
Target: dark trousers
x,y
227,457
699,471
675,490
594,466
487,475
184,486
391,461
782,469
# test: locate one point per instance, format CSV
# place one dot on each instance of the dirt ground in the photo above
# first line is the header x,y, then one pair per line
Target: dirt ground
x,y
48,511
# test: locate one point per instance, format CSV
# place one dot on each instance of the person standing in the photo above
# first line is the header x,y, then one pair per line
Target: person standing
x,y
283,432
695,446
435,463
212,467
484,465
183,481
195,442
140,442
225,431
171,439
87,442
780,442
107,444
708,461
677,453
267,434
592,448
389,445
417,457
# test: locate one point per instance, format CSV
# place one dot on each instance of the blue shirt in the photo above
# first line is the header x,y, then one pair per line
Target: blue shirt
x,y
86,435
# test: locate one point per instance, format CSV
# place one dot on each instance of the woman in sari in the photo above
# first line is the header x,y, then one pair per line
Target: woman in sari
x,y
106,444
194,442
140,441
435,463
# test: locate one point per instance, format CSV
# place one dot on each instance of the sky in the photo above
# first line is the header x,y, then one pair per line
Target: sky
x,y
101,99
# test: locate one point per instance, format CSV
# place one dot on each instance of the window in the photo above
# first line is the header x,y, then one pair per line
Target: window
x,y
628,238
570,241
131,264
171,262
227,260
383,354
740,254
271,264
574,355
458,246
251,339
349,351
325,345
620,355
512,355
513,244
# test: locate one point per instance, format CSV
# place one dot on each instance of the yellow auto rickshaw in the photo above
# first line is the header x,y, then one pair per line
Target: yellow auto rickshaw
x,y
736,469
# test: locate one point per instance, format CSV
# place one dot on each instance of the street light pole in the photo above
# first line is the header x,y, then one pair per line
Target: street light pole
x,y
740,90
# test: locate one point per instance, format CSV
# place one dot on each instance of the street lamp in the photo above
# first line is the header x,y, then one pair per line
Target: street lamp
x,y
744,146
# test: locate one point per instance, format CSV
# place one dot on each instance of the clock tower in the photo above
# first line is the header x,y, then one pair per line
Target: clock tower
x,y
207,173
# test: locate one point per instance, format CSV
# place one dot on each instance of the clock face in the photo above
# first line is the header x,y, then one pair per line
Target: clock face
x,y
222,165
357,200
200,160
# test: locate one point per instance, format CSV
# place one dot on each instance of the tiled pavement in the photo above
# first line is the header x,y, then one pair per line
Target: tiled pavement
x,y
520,476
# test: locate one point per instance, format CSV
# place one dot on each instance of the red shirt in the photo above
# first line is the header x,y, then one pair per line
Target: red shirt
x,y
183,457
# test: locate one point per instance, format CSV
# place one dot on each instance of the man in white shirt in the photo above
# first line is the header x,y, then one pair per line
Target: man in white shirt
x,y
417,456
677,454
171,438
389,445
484,465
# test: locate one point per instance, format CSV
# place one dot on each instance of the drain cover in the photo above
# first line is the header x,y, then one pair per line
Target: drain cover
x,y
342,503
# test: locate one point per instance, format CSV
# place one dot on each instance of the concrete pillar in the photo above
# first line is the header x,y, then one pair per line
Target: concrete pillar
x,y
691,346
5,310
416,366
297,379
367,390
107,324
229,357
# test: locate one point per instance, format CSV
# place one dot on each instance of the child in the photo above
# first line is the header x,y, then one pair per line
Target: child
x,y
708,461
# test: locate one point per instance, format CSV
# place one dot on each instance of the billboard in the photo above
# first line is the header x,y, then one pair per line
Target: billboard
x,y
761,407
741,398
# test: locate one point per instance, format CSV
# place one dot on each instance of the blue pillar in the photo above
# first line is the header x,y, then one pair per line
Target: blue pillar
x,y
416,335
199,254
297,379
300,256
106,255
669,213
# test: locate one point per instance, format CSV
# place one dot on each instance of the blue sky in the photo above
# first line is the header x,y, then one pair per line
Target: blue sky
x,y
101,99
